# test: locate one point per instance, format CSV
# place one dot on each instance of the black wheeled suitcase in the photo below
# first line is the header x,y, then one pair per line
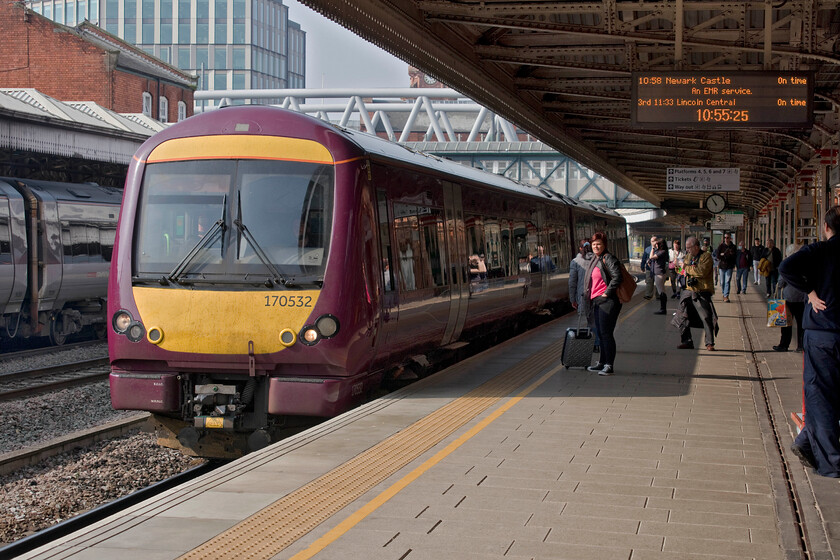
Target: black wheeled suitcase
x,y
578,347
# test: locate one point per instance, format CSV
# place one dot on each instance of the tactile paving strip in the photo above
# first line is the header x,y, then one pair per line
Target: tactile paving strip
x,y
280,524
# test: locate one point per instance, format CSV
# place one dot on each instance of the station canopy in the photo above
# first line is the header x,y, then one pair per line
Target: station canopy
x,y
634,90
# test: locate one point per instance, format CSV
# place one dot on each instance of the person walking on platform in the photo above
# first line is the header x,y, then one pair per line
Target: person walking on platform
x,y
577,284
725,254
646,268
815,270
774,259
696,308
795,303
675,255
659,267
743,263
756,251
603,277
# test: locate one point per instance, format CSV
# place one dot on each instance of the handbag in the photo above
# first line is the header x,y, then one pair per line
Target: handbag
x,y
777,312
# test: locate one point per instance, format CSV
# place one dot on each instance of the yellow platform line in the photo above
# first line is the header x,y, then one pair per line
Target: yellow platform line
x,y
354,519
283,522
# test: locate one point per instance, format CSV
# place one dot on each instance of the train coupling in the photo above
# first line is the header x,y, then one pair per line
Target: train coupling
x,y
216,406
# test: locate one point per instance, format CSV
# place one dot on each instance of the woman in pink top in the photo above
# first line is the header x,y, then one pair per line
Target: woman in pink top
x,y
602,280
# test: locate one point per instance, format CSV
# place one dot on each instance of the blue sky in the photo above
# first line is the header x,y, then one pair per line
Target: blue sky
x,y
337,58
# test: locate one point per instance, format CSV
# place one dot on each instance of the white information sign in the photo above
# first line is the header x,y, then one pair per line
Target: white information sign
x,y
764,220
703,179
728,219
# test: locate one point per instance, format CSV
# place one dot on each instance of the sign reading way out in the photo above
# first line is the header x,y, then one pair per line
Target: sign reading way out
x,y
703,179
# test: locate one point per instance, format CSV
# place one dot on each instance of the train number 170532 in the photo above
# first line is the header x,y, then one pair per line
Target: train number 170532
x,y
288,301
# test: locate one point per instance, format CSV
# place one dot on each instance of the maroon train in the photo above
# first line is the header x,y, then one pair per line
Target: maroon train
x,y
269,265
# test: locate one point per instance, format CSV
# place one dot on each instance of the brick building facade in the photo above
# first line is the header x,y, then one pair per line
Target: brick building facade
x,y
85,63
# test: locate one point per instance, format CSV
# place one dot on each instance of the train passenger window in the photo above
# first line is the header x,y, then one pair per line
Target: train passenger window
x,y
419,235
79,242
107,236
94,248
498,242
5,233
385,242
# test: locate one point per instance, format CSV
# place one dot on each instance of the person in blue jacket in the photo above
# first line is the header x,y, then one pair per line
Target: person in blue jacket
x,y
815,270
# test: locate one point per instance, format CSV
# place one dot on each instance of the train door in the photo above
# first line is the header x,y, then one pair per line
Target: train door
x,y
458,260
390,311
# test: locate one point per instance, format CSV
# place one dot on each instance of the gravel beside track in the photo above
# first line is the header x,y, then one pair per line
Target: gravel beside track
x,y
60,487
54,356
26,422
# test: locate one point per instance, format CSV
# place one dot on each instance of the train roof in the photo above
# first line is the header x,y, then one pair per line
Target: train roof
x,y
75,192
385,148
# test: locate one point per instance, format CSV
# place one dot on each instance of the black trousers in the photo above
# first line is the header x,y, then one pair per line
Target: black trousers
x,y
797,309
606,318
821,436
702,302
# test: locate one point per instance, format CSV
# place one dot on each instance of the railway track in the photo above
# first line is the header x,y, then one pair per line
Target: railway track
x,y
64,528
12,461
50,349
40,380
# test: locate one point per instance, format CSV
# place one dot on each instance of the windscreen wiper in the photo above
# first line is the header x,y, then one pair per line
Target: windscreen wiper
x,y
218,227
275,274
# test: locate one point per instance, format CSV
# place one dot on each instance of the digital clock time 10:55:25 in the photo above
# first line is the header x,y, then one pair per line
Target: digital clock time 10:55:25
x,y
722,115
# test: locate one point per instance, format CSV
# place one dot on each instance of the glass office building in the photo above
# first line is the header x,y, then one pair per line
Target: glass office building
x,y
228,44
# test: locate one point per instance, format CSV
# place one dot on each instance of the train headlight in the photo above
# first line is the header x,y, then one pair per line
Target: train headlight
x,y
288,337
121,322
327,325
310,335
136,332
155,335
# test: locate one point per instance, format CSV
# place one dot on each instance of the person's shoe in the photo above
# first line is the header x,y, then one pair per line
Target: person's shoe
x,y
799,349
660,312
675,296
767,295
686,346
648,297
726,299
606,370
710,347
738,293
596,348
596,367
780,348
804,456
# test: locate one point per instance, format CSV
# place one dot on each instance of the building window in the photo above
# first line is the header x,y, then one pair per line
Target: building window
x,y
184,58
220,58
202,60
182,111
163,110
220,80
147,103
238,58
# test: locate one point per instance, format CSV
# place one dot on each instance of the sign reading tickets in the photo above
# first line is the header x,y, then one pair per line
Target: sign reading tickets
x,y
709,179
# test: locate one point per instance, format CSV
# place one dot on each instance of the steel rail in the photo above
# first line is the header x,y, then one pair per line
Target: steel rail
x,y
14,460
51,534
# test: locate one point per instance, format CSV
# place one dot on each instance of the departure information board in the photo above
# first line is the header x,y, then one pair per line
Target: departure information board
x,y
706,99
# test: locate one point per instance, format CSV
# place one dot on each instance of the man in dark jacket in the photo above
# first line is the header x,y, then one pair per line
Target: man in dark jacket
x,y
774,257
725,254
646,268
815,270
756,251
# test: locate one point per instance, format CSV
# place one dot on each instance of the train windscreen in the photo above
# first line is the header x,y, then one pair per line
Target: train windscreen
x,y
234,221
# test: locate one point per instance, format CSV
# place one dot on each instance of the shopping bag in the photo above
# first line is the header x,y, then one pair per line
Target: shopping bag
x,y
777,315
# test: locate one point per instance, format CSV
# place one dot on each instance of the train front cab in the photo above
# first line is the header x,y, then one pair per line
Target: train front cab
x,y
221,324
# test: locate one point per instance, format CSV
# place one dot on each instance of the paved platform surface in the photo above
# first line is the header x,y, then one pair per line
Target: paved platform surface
x,y
682,454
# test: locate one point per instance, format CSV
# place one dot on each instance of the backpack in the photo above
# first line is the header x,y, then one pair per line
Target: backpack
x,y
628,285
765,267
